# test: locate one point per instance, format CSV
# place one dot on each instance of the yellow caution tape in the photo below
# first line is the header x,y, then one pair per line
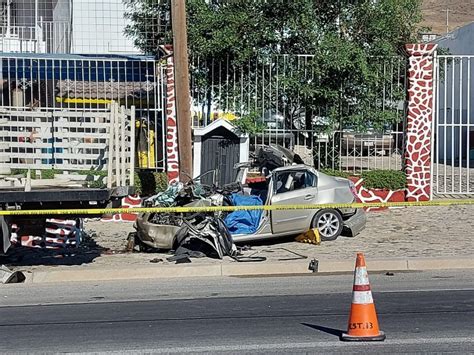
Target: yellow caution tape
x,y
102,211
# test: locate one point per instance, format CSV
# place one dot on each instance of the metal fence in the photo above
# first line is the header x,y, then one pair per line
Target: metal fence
x,y
274,89
83,83
453,126
339,150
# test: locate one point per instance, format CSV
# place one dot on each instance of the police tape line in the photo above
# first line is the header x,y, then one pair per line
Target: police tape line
x,y
209,209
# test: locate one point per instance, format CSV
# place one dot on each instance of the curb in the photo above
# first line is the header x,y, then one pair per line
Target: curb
x,y
237,269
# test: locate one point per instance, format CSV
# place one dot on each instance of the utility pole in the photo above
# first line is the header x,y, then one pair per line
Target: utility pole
x,y
447,18
183,107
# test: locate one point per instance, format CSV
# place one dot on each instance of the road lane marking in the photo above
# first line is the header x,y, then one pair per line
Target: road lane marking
x,y
289,346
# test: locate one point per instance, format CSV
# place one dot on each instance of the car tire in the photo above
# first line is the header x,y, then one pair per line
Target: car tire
x,y
329,224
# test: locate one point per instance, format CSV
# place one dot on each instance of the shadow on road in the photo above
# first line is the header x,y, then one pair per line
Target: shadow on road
x,y
331,331
87,251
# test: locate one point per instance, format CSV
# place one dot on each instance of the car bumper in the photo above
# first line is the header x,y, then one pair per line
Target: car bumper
x,y
356,223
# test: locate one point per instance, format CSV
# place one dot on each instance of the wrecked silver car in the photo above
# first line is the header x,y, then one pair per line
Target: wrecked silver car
x,y
285,185
298,185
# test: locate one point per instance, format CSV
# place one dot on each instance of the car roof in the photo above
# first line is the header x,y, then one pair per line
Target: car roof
x,y
293,167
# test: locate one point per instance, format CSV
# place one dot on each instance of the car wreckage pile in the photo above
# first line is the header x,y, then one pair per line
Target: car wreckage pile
x,y
205,234
187,234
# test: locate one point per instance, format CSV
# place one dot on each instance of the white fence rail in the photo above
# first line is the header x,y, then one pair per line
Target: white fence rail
x,y
68,140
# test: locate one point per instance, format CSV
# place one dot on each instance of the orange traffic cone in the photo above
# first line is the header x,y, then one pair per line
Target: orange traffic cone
x,y
363,323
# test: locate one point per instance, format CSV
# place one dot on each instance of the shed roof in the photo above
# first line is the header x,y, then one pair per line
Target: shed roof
x,y
220,123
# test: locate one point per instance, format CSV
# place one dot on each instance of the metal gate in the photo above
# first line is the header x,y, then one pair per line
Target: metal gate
x,y
453,126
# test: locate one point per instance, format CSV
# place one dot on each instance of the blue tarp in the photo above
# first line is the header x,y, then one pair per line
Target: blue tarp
x,y
244,222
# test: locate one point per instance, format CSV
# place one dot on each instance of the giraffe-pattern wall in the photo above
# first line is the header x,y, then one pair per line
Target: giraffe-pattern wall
x,y
127,202
419,121
172,157
365,195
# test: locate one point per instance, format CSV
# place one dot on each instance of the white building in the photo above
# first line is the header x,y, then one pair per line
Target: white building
x,y
64,26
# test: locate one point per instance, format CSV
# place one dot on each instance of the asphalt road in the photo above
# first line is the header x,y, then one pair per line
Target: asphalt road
x,y
420,312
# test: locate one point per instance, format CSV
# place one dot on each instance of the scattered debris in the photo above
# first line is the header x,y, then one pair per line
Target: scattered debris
x,y
130,243
249,259
11,277
156,260
313,265
180,259
299,256
272,250
311,237
244,248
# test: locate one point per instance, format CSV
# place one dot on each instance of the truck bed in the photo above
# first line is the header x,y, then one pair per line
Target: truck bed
x,y
54,195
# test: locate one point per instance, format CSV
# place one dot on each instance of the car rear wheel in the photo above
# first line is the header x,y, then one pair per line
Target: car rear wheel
x,y
329,224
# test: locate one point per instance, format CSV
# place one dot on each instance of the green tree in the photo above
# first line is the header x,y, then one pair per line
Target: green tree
x,y
243,42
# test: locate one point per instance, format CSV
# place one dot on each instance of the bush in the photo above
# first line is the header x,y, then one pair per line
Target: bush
x,y
338,173
149,183
375,179
384,179
249,124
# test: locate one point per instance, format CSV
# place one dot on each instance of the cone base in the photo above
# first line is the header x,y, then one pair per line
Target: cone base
x,y
347,337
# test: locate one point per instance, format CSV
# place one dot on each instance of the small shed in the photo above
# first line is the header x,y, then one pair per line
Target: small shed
x,y
219,147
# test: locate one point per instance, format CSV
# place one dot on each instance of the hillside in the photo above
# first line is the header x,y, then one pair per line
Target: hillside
x,y
461,12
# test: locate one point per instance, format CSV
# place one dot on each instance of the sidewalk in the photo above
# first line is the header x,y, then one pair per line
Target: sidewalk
x,y
413,238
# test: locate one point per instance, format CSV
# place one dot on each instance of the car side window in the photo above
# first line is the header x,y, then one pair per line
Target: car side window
x,y
294,180
310,179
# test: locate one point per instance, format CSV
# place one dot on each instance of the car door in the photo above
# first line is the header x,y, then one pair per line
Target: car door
x,y
293,187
